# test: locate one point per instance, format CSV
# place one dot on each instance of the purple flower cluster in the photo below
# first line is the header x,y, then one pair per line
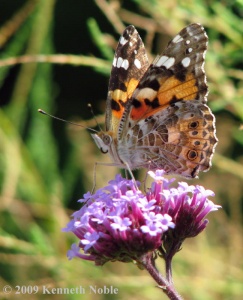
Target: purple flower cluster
x,y
187,205
121,223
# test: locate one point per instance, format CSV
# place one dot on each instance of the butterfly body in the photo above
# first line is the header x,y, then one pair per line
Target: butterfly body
x,y
156,116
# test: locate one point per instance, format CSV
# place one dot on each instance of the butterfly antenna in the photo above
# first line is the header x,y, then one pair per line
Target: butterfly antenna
x,y
92,112
69,122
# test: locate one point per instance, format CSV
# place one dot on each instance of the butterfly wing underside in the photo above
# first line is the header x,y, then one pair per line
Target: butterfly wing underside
x,y
166,122
129,65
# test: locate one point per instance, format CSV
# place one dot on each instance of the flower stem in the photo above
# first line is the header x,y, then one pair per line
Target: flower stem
x,y
168,270
167,287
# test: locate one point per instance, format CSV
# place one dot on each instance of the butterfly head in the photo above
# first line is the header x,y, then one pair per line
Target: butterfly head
x,y
103,141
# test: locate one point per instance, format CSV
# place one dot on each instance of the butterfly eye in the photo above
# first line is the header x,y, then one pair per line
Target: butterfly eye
x,y
107,139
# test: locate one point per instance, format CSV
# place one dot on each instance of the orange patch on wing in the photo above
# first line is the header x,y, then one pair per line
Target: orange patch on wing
x,y
142,111
171,88
120,97
117,95
131,86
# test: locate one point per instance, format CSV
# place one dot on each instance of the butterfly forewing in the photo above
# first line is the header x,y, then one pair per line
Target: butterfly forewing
x,y
177,74
129,65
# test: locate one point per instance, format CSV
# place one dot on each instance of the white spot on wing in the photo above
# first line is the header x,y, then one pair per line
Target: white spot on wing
x,y
169,63
146,93
177,39
123,41
186,62
161,61
119,62
189,50
165,61
125,64
137,63
188,42
114,61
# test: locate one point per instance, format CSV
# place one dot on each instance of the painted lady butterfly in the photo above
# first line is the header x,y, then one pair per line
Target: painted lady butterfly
x,y
156,116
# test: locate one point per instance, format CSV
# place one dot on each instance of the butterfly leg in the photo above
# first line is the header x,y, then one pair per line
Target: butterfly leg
x,y
131,174
94,178
145,182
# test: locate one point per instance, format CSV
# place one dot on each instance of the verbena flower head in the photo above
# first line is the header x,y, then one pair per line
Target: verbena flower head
x,y
120,223
187,205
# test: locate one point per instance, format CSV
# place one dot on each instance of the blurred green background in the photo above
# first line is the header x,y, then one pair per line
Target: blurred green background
x,y
46,166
